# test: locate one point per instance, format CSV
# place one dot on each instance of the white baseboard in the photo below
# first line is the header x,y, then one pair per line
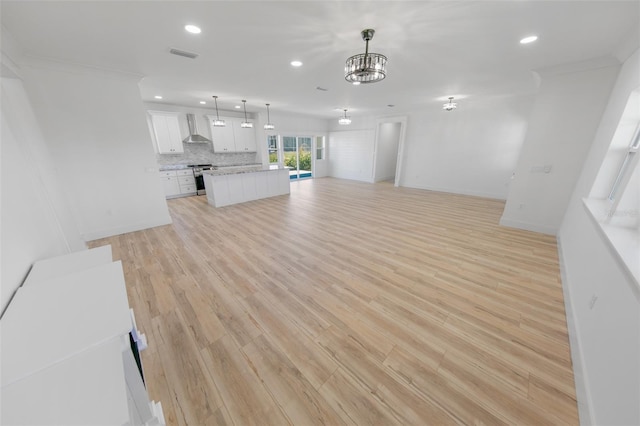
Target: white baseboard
x,y
139,226
543,229
583,395
455,191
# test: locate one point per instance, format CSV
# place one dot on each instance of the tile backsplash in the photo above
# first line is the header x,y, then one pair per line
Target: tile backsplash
x,y
202,153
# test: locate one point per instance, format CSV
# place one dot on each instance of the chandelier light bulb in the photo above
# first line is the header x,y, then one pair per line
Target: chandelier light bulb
x,y
450,105
269,125
367,67
245,124
345,121
217,122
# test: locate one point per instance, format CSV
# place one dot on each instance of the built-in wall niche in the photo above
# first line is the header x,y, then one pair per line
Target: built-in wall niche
x,y
614,200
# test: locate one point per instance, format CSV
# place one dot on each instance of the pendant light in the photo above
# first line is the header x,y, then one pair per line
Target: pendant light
x,y
217,122
245,124
345,121
268,126
450,106
366,67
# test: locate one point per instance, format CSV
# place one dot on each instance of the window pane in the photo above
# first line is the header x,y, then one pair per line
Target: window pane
x,y
289,143
272,142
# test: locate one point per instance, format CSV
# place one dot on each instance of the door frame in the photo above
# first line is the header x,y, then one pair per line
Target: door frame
x,y
402,119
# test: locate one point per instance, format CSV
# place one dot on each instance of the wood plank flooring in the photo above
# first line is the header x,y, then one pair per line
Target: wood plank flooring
x,y
350,303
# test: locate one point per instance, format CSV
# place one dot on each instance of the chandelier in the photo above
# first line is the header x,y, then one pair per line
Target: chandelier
x,y
245,124
217,122
451,105
366,67
344,120
268,126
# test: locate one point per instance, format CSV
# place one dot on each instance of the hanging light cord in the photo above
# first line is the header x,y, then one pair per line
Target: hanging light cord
x,y
244,103
215,99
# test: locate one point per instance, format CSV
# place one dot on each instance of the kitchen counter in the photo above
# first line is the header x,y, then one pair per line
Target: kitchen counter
x,y
232,170
232,185
166,167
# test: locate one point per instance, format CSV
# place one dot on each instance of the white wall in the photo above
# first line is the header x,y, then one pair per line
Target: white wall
x,y
472,150
95,127
388,139
351,154
35,220
563,122
605,339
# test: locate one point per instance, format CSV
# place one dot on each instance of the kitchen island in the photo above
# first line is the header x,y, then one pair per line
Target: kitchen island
x,y
233,185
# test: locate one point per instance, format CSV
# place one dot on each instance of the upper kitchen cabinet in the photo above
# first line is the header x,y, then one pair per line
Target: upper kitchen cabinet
x,y
245,139
223,139
232,137
166,131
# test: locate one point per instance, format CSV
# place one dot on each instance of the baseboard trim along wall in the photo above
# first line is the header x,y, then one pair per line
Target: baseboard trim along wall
x,y
544,229
583,396
139,226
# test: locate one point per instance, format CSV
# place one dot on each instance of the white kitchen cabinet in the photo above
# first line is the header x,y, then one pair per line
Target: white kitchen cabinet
x,y
178,182
223,139
170,183
232,137
245,139
166,131
224,189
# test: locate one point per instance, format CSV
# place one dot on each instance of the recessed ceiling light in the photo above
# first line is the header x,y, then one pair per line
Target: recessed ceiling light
x,y
158,97
237,107
296,63
192,29
203,102
529,39
356,83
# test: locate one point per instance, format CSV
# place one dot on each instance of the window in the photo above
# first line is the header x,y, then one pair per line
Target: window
x,y
614,201
320,148
626,169
272,149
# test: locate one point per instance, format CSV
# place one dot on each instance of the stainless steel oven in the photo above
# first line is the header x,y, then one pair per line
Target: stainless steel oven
x,y
197,174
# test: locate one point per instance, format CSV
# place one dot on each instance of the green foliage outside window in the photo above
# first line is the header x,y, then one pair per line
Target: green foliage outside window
x,y
305,160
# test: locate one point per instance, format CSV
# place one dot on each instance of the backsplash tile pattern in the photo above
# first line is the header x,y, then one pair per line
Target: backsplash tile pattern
x,y
202,153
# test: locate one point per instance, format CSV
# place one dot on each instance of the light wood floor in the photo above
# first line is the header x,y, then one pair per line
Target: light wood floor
x,y
350,303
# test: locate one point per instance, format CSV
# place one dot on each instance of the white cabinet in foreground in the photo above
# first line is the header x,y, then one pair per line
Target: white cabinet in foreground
x,y
224,189
69,343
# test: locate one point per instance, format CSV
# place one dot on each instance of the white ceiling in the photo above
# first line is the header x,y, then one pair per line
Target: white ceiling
x,y
435,48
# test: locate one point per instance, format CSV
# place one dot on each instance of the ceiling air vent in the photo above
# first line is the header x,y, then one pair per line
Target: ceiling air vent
x,y
184,53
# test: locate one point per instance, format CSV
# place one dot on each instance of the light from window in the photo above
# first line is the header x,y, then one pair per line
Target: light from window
x,y
272,149
320,148
626,169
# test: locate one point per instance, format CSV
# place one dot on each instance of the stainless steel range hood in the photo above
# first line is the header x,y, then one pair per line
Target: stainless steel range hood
x,y
194,137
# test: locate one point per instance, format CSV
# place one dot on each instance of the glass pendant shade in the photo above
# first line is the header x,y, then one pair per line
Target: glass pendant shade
x,y
344,120
245,124
366,67
269,125
217,122
450,106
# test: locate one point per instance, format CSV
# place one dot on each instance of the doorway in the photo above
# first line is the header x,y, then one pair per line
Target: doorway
x,y
297,156
388,137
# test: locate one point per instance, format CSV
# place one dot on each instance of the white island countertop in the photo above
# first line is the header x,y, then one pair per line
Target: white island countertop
x,y
233,185
232,170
